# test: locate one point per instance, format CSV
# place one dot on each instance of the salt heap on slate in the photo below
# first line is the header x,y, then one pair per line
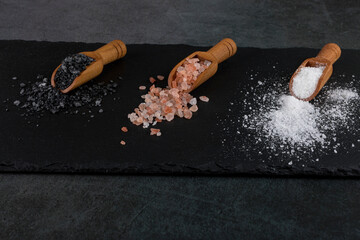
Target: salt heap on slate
x,y
294,122
287,126
300,123
306,80
164,104
40,96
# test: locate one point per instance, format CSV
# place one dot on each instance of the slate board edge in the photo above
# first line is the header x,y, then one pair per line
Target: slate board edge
x,y
171,169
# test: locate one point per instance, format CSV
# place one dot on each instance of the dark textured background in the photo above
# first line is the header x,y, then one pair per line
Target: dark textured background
x,y
144,207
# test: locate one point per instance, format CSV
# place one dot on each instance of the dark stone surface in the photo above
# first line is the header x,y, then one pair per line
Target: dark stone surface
x,y
263,24
71,143
118,207
142,207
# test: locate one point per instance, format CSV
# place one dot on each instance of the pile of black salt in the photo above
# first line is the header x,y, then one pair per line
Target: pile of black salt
x,y
40,97
71,67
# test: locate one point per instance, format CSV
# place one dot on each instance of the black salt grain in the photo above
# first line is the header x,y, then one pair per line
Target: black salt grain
x,y
70,68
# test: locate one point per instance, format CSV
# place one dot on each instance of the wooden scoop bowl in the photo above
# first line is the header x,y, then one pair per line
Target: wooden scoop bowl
x,y
217,54
106,54
326,58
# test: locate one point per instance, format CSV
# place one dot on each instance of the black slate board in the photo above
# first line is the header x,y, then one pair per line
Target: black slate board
x,y
72,144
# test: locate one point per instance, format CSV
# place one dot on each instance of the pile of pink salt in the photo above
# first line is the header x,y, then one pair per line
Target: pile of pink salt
x,y
188,72
164,104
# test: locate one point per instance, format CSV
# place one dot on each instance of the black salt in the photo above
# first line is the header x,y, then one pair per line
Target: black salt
x,y
71,67
40,96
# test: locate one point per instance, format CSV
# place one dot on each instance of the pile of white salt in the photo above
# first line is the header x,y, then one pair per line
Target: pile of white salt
x,y
297,123
306,80
294,121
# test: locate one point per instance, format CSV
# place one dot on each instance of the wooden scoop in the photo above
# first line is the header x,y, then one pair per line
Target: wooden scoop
x,y
217,54
325,58
106,54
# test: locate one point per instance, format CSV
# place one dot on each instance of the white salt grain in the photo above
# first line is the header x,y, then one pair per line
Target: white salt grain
x,y
306,80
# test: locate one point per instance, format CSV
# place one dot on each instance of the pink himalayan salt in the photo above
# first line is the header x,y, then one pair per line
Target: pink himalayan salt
x,y
188,72
194,108
122,142
204,98
142,87
152,80
155,131
160,77
160,104
164,104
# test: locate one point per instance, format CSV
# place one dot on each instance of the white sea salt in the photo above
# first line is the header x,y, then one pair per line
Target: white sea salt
x,y
306,80
294,122
296,127
342,95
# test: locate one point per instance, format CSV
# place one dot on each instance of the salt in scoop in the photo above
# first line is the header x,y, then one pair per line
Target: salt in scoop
x,y
217,54
108,53
325,59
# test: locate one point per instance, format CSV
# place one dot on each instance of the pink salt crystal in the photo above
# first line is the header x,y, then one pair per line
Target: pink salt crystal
x,y
204,98
193,101
158,134
180,113
154,131
152,80
184,86
142,87
169,117
187,113
160,77
122,142
124,129
193,108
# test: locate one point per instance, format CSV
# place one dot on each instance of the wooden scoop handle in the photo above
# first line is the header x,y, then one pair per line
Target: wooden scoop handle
x,y
112,51
223,50
330,52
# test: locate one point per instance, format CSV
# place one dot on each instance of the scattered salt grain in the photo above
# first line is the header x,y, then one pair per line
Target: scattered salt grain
x,y
306,80
142,87
16,102
152,80
204,98
194,108
124,129
193,101
122,142
160,77
155,131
